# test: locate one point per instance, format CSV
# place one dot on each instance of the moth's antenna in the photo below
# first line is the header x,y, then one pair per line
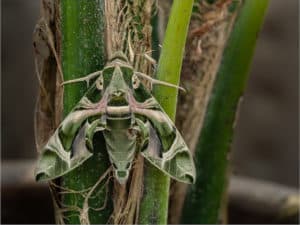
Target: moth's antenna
x,y
86,78
159,82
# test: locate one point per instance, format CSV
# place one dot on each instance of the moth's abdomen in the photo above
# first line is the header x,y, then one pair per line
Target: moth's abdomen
x,y
121,147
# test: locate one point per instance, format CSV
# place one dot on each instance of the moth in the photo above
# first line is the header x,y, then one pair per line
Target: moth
x,y
131,121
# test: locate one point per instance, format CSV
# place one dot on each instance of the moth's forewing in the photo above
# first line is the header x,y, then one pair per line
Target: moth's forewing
x,y
71,143
166,148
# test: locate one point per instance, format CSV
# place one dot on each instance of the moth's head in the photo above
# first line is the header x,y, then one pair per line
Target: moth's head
x,y
118,56
117,81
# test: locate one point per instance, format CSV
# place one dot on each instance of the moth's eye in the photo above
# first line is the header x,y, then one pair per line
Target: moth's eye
x,y
114,165
128,165
99,83
135,81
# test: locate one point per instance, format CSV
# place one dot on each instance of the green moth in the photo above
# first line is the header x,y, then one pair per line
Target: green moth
x,y
132,122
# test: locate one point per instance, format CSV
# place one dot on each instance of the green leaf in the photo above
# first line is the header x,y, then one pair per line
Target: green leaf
x,y
204,199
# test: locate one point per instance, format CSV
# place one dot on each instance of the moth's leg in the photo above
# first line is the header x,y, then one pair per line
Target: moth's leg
x,y
86,78
158,82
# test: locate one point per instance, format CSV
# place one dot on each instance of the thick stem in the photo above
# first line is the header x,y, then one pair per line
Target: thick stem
x,y
82,52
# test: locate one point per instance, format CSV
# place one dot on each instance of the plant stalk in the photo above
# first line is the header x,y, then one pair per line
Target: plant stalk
x,y
154,205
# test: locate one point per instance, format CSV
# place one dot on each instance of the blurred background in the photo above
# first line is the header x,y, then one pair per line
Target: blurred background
x,y
266,137
265,145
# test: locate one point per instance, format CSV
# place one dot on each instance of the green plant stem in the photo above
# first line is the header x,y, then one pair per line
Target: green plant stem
x,y
204,198
82,52
154,205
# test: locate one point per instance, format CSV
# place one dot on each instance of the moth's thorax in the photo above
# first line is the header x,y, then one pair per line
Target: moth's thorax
x,y
117,89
